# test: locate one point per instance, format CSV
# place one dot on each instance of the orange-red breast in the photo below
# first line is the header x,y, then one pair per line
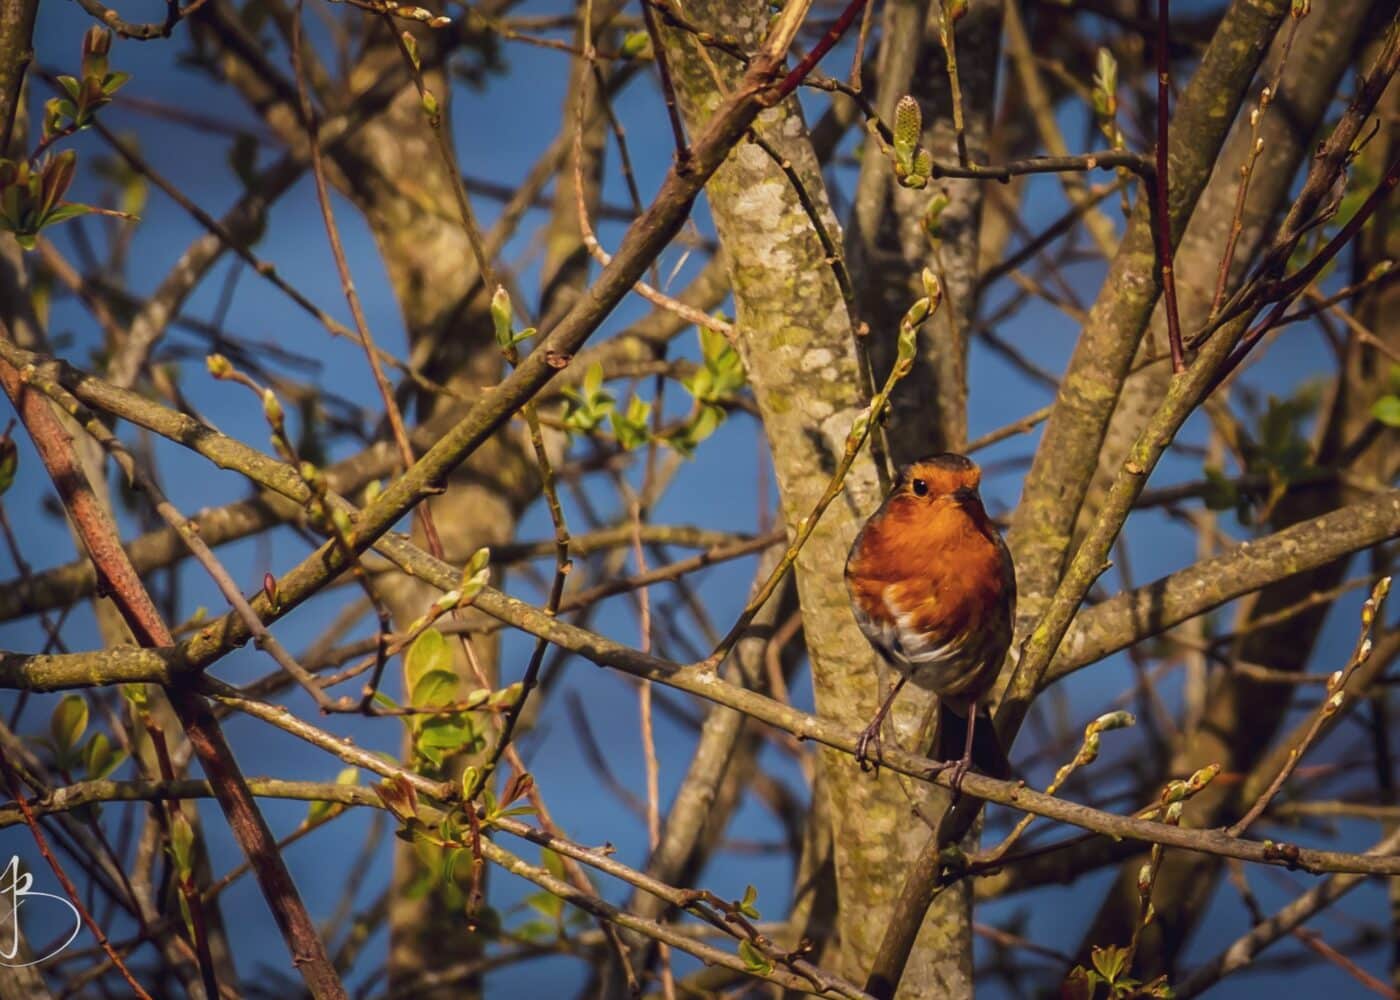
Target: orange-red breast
x,y
934,590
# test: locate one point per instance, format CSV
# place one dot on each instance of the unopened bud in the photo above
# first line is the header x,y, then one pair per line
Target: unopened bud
x,y
908,124
1113,720
342,522
933,289
933,215
1202,778
272,408
501,316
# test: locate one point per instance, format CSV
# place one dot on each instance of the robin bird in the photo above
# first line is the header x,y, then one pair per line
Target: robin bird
x,y
934,590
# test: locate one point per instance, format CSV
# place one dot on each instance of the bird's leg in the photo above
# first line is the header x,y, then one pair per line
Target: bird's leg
x,y
870,735
964,763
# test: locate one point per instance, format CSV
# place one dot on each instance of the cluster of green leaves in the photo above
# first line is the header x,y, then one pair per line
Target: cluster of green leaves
x,y
754,959
446,861
913,165
443,724
97,758
1276,449
444,866
85,95
1110,970
590,405
32,189
31,196
719,377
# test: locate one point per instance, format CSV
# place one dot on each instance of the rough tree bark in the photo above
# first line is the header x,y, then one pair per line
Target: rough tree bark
x,y
798,345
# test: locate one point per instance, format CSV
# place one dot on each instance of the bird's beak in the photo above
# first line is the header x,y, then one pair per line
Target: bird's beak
x,y
965,495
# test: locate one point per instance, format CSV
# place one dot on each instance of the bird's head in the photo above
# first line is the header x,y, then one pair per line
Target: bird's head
x,y
940,481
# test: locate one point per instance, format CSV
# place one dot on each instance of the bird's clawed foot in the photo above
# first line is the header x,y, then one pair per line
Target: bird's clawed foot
x,y
958,769
870,737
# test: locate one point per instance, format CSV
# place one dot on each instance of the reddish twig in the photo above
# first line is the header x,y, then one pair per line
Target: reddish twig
x,y
810,60
17,793
1287,289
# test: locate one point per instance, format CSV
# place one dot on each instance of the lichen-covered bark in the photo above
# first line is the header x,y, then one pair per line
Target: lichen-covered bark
x,y
797,342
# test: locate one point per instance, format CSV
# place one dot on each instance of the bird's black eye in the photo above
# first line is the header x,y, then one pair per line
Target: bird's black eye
x,y
920,488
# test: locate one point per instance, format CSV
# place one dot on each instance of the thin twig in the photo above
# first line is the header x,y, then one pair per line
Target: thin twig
x,y
1162,227
42,842
1336,698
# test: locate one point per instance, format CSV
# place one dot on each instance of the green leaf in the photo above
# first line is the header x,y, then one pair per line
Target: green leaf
x,y
507,696
1079,984
688,438
114,82
631,427
1106,84
593,380
1386,410
552,862
746,906
754,960
445,734
470,776
435,689
100,758
65,211
1109,961
536,930
68,723
428,653
636,45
